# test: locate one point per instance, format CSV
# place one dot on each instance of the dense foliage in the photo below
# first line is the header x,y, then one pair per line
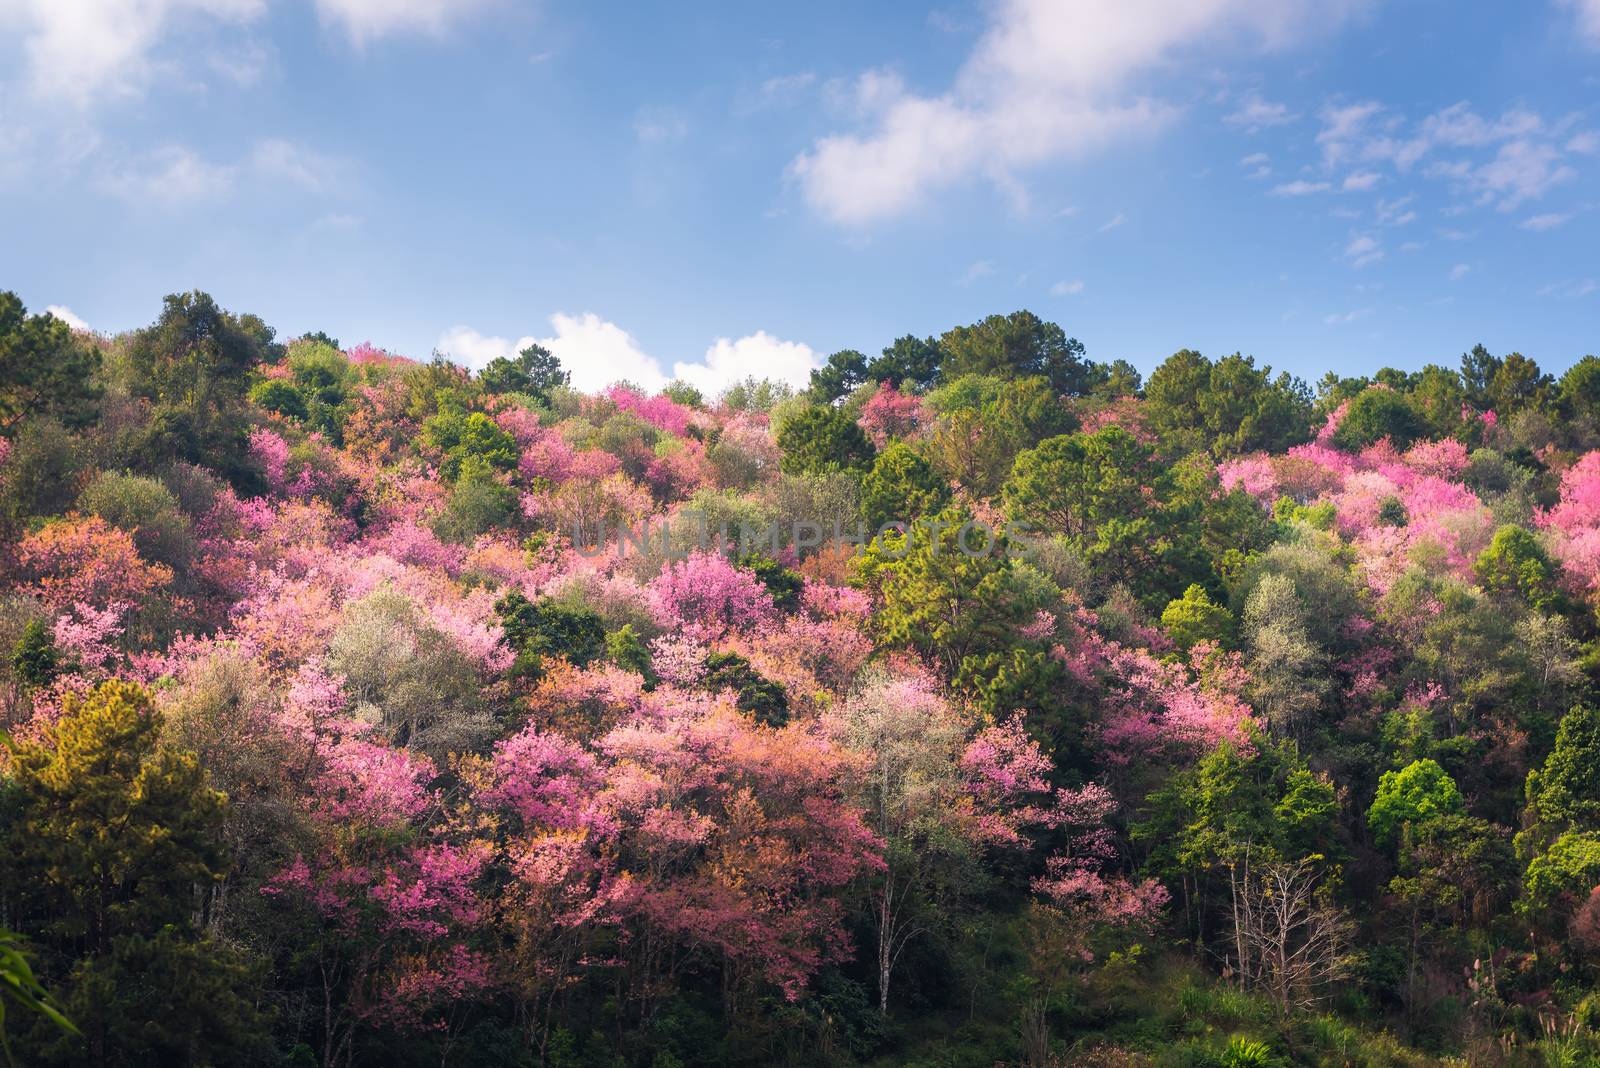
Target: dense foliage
x,y
980,704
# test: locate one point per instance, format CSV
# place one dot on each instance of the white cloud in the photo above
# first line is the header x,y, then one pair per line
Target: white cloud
x,y
786,88
1571,289
1367,132
1260,162
245,65
1255,113
169,176
84,51
1361,181
1458,126
1584,142
79,51
1299,188
1520,171
1046,80
1347,317
658,125
979,269
1341,126
1547,221
1588,14
758,354
294,163
337,220
1397,212
1363,250
1112,223
176,174
365,20
65,314
471,349
598,352
1067,289
1526,162
1460,271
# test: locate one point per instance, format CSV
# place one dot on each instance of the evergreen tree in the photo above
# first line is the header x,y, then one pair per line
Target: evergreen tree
x,y
114,845
44,370
901,486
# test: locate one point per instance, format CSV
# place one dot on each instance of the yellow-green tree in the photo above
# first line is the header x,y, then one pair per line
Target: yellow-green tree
x,y
113,847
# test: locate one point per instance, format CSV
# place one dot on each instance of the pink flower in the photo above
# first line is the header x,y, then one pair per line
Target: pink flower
x,y
593,464
272,453
546,456
1253,474
1331,425
706,595
1443,459
521,424
371,782
890,414
659,411
824,600
412,543
546,780
90,634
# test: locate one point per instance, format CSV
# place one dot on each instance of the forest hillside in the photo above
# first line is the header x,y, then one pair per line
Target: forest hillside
x,y
980,704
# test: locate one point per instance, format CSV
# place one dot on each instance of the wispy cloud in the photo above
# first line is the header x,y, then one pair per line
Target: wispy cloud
x,y
170,176
787,86
86,51
1363,250
1255,113
1460,271
1046,80
337,220
1571,289
1525,154
177,174
1396,212
975,271
657,125
1588,16
287,161
1547,221
1300,188
1067,288
1112,223
1259,164
367,20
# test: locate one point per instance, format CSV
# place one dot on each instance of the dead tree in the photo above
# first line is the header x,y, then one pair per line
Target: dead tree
x,y
1292,942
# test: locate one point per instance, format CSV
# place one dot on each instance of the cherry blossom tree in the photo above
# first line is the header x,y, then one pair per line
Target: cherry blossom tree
x,y
85,560
707,596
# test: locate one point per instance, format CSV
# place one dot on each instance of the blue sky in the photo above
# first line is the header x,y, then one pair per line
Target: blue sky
x,y
718,189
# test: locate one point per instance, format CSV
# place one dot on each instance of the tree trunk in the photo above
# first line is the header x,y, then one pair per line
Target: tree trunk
x,y
885,948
